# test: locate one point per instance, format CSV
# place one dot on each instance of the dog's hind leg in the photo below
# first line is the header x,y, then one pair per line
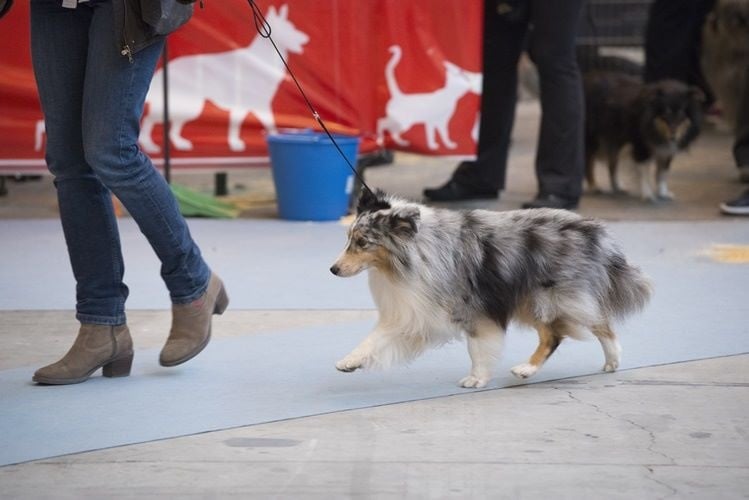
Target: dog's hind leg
x,y
611,348
590,172
548,341
484,347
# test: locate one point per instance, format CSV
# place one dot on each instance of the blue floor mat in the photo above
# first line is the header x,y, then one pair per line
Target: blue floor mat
x,y
699,310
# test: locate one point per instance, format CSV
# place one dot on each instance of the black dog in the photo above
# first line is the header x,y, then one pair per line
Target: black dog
x,y
657,119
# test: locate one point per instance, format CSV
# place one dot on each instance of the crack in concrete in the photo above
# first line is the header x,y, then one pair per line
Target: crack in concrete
x,y
651,434
651,477
651,445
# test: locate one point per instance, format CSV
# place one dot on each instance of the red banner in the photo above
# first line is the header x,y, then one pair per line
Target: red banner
x,y
403,74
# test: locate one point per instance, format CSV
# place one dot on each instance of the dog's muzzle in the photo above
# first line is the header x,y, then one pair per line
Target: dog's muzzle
x,y
335,269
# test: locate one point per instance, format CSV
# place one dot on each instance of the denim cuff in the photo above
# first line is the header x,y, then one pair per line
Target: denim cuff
x,y
90,319
193,296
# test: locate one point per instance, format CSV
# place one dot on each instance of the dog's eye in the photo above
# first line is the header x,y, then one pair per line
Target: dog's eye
x,y
361,242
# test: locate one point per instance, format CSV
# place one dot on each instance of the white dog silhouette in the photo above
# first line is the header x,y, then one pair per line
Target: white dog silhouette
x,y
433,109
241,81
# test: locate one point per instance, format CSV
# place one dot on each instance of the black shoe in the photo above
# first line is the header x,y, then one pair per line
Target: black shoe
x,y
739,206
551,201
376,158
452,191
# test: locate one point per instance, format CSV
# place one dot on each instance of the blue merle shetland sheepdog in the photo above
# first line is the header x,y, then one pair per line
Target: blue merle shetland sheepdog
x,y
438,274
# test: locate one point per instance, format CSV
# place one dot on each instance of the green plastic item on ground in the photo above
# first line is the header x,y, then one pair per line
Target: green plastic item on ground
x,y
194,204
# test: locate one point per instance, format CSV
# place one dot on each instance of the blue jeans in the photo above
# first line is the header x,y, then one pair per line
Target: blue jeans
x,y
92,98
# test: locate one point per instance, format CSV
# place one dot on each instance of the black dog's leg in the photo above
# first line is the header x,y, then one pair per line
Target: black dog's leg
x,y
613,162
663,164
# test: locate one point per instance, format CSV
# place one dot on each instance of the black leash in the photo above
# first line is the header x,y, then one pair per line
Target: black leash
x,y
264,30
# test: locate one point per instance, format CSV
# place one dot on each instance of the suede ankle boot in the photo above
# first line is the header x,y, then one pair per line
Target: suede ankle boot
x,y
97,346
191,324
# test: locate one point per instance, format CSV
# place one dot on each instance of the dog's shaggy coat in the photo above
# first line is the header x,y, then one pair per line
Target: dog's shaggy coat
x,y
658,120
436,274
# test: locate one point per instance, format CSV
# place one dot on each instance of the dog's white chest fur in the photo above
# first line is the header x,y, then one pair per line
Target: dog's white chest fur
x,y
413,313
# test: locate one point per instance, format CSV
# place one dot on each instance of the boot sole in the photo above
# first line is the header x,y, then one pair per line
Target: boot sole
x,y
119,367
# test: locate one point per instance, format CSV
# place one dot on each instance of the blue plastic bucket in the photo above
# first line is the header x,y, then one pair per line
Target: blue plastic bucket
x,y
313,181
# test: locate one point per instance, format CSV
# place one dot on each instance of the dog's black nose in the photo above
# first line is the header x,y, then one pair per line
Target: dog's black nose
x,y
334,269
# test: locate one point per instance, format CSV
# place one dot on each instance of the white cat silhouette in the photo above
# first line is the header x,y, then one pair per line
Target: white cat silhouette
x,y
241,81
432,109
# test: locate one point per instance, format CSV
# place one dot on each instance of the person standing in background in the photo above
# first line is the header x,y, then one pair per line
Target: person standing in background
x,y
549,29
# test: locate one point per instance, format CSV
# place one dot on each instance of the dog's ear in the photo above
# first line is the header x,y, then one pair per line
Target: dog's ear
x,y
371,202
404,221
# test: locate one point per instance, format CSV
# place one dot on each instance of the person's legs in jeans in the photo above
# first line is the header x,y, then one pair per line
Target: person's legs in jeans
x,y
504,35
59,43
113,99
92,99
559,156
115,91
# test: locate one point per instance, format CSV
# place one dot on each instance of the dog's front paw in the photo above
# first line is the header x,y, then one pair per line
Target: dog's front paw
x,y
350,364
666,196
611,366
524,370
471,382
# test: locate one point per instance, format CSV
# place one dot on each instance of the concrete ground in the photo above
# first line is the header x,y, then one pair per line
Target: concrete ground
x,y
674,431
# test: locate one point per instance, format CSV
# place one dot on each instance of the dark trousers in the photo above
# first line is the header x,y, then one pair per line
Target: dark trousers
x,y
673,38
741,142
549,28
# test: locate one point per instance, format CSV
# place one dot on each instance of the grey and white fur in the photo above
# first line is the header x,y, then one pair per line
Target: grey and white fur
x,y
437,275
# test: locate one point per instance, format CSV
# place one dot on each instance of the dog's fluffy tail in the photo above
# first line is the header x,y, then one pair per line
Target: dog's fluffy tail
x,y
629,288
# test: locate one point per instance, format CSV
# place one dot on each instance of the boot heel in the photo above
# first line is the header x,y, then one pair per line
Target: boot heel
x,y
118,367
222,301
